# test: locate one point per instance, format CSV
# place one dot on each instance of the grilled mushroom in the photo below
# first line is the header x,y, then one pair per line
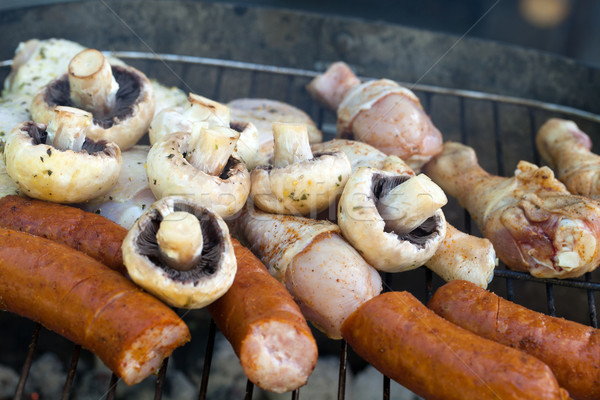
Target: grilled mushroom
x,y
181,252
200,165
59,162
207,113
120,98
298,182
393,219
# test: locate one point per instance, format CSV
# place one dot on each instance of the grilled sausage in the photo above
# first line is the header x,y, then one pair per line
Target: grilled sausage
x,y
96,236
436,359
265,327
76,296
570,349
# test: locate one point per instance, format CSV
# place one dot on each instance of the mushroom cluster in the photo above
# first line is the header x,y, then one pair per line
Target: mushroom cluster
x,y
201,164
206,112
181,252
120,98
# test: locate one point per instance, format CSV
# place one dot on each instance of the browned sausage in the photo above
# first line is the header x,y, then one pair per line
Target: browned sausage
x,y
88,303
436,359
93,234
570,349
265,327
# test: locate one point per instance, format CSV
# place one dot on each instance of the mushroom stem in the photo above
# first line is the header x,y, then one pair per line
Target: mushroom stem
x,y
291,144
180,241
91,82
411,203
211,147
67,129
203,109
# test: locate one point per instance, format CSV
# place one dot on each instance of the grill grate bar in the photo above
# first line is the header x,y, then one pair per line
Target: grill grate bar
x,y
112,387
343,367
160,381
210,344
28,361
550,298
249,390
591,303
71,374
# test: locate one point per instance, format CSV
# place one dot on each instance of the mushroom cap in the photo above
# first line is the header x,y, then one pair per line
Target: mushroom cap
x,y
169,173
196,288
130,118
302,188
364,228
46,173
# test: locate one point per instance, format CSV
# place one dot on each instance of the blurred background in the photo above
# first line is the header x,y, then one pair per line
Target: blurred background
x,y
569,28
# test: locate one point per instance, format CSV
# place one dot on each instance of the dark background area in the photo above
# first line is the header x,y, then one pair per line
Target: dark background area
x,y
575,35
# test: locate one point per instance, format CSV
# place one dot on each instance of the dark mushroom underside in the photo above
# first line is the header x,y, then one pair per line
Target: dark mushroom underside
x,y
37,132
212,248
58,94
382,185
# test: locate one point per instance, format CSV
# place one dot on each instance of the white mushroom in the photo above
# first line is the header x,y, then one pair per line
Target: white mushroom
x,y
298,183
202,175
327,276
181,252
413,226
57,162
120,98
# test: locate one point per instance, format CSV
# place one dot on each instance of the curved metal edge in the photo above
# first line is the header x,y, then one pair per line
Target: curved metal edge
x,y
241,65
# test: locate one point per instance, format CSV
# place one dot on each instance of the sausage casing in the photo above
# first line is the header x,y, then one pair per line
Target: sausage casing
x,y
76,296
93,234
265,327
570,349
436,359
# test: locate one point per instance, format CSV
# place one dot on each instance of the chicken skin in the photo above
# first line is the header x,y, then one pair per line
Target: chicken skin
x,y
567,150
379,112
532,220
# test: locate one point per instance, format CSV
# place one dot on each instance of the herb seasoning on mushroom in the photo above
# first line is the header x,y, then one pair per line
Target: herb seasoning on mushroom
x,y
120,98
298,182
181,252
200,165
58,162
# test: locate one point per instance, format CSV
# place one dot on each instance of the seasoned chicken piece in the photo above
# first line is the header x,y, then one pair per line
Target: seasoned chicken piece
x,y
567,150
532,220
380,112
262,113
325,275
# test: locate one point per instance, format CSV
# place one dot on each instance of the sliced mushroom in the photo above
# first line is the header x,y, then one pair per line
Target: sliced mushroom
x,y
214,177
59,162
298,183
325,275
181,252
394,220
120,98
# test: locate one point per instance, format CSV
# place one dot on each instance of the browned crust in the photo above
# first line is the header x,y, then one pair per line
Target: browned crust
x,y
254,300
76,296
570,349
92,234
436,359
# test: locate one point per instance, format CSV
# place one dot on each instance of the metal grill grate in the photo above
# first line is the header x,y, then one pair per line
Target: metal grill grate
x,y
500,127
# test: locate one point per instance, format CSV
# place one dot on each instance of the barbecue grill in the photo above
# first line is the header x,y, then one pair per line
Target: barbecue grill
x,y
493,97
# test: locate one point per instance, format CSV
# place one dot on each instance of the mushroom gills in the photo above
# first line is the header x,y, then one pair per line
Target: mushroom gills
x,y
39,134
415,220
205,265
59,93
